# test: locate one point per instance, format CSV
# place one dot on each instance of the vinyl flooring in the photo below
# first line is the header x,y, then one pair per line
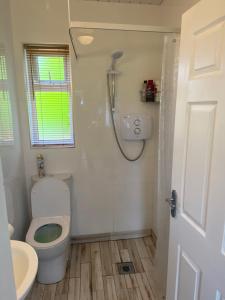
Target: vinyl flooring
x,y
92,273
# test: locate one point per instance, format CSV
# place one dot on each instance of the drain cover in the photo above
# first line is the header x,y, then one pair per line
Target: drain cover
x,y
126,268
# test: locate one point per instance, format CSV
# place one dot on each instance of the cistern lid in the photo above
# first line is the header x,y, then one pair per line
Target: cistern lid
x,y
50,197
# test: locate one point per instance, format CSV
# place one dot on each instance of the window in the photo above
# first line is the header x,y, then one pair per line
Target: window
x,y
6,123
49,95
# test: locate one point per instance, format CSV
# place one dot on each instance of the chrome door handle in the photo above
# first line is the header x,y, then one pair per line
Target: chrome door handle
x,y
172,203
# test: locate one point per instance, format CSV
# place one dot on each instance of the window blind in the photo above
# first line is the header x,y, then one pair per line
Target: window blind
x,y
49,95
6,123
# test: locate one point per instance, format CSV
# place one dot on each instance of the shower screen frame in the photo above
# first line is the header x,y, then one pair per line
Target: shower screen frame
x,y
123,27
117,26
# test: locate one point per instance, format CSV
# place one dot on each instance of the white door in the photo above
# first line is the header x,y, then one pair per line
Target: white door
x,y
197,235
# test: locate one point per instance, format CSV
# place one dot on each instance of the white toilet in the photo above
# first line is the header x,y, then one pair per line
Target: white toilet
x,y
49,231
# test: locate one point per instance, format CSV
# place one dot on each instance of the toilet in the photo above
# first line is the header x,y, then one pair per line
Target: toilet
x,y
49,231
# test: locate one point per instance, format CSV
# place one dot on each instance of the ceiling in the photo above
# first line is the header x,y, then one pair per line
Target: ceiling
x,y
151,2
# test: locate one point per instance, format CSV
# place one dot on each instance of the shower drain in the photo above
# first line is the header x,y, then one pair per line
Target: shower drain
x,y
126,268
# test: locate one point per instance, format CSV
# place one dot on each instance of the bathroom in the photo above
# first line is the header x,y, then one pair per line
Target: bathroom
x,y
117,206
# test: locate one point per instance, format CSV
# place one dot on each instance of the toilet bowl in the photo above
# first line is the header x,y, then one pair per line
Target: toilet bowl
x,y
49,231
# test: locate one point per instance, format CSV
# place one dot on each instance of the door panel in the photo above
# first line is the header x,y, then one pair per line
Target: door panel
x,y
208,43
200,131
188,277
196,268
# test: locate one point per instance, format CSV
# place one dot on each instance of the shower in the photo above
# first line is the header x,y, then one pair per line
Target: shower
x,y
115,56
112,75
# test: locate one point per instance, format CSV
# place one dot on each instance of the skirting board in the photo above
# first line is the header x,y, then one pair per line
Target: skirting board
x,y
111,236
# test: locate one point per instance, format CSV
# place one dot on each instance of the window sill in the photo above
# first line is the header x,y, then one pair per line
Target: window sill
x,y
53,146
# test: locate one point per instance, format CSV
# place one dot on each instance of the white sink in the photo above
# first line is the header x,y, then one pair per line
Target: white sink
x,y
25,265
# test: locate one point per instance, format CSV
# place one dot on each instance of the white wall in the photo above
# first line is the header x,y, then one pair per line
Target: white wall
x,y
130,187
109,193
12,157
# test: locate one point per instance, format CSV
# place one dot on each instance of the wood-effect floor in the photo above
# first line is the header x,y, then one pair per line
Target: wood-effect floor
x,y
92,273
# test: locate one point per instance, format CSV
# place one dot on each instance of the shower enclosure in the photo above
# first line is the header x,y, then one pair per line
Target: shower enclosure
x,y
109,65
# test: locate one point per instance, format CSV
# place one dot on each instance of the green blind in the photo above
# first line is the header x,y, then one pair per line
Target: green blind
x,y
49,95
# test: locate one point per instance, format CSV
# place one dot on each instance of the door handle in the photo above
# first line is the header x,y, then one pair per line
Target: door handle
x,y
173,203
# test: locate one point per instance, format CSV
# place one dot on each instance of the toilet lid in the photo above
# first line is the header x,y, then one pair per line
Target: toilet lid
x,y
50,197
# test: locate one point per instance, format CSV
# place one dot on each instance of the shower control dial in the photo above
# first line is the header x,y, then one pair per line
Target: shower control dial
x,y
137,130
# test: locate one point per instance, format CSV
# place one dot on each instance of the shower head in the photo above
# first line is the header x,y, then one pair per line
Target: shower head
x,y
117,55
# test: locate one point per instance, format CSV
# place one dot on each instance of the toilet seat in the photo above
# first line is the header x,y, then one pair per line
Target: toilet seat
x,y
36,223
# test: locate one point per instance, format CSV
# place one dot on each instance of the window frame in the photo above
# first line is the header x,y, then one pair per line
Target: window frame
x,y
31,51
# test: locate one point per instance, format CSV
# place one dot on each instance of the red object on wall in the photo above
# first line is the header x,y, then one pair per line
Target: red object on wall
x,y
151,91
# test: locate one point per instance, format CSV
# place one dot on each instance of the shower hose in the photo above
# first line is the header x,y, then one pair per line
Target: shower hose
x,y
114,126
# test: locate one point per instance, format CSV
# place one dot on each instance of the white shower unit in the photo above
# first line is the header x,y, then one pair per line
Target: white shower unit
x,y
135,126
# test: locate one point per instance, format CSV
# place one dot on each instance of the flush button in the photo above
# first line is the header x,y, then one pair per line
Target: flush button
x,y
137,130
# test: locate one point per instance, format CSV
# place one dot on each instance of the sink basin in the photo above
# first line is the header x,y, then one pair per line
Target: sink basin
x,y
25,265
